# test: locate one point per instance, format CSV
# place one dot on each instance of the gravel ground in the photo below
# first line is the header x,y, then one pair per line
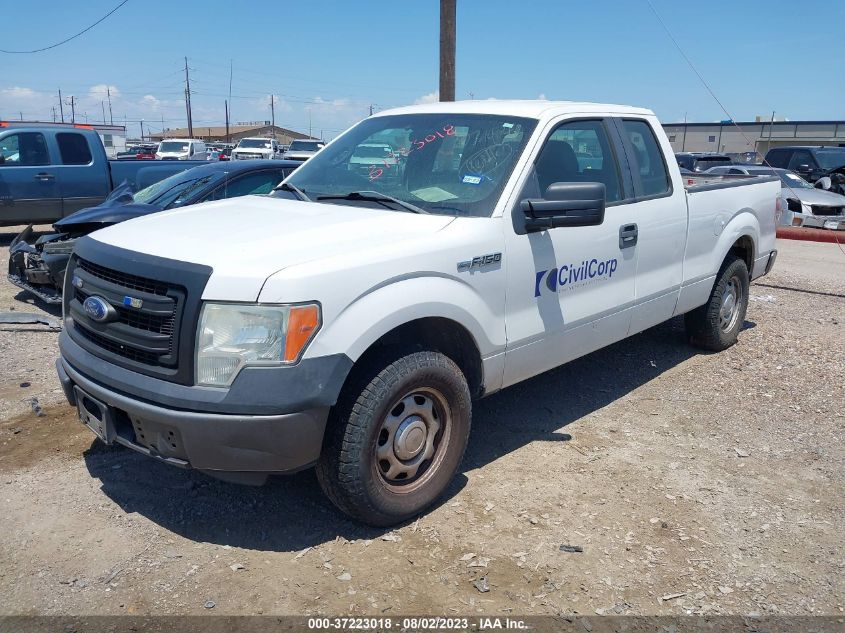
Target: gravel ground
x,y
687,483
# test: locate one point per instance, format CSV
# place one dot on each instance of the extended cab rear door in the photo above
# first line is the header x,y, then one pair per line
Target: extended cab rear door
x,y
570,290
29,189
659,211
83,184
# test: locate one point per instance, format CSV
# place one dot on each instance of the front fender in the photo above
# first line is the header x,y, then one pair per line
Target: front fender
x,y
372,315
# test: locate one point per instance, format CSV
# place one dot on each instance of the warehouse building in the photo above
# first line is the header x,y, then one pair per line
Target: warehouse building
x,y
748,137
236,133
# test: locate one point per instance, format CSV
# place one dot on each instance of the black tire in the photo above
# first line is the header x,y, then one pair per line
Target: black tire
x,y
709,327
368,419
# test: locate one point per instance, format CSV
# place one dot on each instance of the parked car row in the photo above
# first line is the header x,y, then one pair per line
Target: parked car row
x,y
37,264
818,205
48,171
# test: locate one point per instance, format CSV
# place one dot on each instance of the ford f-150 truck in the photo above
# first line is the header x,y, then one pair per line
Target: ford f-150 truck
x,y
349,321
48,171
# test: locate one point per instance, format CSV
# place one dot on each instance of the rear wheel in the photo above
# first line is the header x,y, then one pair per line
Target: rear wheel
x,y
396,438
716,325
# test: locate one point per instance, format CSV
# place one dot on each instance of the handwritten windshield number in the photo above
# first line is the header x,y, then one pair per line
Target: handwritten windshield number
x,y
376,172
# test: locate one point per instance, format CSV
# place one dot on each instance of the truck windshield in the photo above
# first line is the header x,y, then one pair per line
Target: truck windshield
x,y
830,158
175,190
305,146
454,164
254,143
172,146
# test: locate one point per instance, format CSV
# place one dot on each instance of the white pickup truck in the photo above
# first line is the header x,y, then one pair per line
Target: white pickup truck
x,y
349,320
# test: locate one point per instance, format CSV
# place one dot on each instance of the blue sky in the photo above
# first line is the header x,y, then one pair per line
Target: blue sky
x,y
331,60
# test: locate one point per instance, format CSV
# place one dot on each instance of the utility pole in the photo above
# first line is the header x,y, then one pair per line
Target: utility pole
x,y
188,100
273,113
72,104
371,109
142,130
111,117
103,106
226,107
771,125
309,123
684,142
61,105
447,50
54,114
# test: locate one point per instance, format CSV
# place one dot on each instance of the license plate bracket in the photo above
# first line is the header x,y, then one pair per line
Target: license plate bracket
x,y
95,415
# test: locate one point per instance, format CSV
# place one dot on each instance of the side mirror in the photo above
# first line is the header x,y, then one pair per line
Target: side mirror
x,y
803,169
824,183
566,204
2,159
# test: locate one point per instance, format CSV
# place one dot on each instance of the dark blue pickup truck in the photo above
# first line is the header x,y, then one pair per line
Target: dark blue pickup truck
x,y
48,171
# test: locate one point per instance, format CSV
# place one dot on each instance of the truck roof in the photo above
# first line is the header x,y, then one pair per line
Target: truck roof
x,y
528,108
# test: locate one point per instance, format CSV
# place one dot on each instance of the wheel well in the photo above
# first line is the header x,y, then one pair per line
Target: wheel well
x,y
744,249
437,334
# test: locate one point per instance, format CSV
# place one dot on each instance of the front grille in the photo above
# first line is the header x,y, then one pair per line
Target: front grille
x,y
141,320
132,353
123,279
155,304
147,334
823,210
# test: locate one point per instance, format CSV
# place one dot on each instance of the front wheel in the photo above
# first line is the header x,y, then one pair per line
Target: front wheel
x,y
716,325
396,438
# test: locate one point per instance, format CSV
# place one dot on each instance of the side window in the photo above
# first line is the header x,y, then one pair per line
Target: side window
x,y
736,172
260,183
25,149
778,158
800,157
73,148
578,151
648,158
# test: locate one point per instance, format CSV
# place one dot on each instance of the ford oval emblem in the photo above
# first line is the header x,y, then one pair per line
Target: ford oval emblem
x,y
98,309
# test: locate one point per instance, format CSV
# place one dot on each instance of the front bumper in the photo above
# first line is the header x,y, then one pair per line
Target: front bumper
x,y
238,448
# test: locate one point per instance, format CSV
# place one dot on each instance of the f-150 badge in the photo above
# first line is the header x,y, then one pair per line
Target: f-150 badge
x,y
479,262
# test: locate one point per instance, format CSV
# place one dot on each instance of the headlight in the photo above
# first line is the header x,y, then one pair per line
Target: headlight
x,y
232,335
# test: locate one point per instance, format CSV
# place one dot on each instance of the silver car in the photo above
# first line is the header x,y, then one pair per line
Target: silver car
x,y
803,204
302,150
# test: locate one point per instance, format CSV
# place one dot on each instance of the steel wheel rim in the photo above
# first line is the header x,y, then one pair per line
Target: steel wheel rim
x,y
412,439
731,301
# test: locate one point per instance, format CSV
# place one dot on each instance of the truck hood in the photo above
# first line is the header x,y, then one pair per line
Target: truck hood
x,y
246,240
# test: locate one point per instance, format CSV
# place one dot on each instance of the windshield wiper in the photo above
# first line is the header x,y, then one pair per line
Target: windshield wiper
x,y
286,186
375,196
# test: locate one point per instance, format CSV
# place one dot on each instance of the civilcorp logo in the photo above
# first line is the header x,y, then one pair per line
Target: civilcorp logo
x,y
574,275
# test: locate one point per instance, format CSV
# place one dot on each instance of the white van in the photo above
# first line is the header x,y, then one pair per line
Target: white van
x,y
181,149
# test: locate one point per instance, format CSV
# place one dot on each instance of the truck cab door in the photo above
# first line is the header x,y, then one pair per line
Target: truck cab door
x,y
570,290
29,188
82,184
659,210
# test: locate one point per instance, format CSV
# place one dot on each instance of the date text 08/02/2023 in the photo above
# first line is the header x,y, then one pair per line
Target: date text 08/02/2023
x,y
411,624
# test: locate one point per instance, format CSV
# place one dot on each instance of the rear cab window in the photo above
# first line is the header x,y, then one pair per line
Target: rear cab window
x,y
73,148
647,162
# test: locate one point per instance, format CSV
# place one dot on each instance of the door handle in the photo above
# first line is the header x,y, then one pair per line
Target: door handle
x,y
628,235
44,177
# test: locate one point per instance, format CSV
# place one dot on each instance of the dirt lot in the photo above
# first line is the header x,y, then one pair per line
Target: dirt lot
x,y
694,483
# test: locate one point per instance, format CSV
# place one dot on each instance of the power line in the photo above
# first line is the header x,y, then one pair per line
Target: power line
x,y
72,37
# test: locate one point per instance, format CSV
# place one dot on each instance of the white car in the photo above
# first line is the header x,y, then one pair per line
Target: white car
x,y
350,319
302,150
255,148
803,204
181,149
